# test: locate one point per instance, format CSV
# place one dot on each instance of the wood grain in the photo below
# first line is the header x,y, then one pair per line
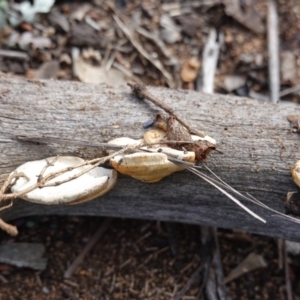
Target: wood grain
x,y
258,149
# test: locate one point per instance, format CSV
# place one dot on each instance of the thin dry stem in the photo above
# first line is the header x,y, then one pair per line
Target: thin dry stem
x,y
10,229
8,181
46,167
97,161
142,92
249,197
7,206
91,243
236,201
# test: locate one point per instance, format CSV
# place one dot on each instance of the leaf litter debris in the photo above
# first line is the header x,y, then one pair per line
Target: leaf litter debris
x,y
141,41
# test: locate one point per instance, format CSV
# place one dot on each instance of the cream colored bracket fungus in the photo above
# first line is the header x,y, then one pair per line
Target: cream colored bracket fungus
x,y
158,136
149,166
86,187
206,138
296,172
124,141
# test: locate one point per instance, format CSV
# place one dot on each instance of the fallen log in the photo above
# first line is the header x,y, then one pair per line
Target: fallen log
x,y
257,144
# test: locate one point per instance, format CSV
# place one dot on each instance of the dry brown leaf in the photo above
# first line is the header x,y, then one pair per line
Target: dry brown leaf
x,y
295,121
93,74
252,262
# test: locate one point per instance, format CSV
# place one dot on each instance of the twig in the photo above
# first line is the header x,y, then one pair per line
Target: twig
x,y
48,164
280,247
173,241
110,60
101,146
217,186
91,243
195,276
288,284
213,287
14,54
68,292
7,206
130,35
219,273
8,181
291,90
207,248
10,229
94,163
210,58
250,198
3,279
154,36
48,140
273,49
142,92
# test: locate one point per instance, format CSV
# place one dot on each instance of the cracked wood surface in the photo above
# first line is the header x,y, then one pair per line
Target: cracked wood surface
x,y
258,149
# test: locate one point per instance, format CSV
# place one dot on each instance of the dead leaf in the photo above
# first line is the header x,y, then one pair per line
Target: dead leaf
x,y
252,262
27,40
247,16
59,19
83,35
97,74
288,67
80,13
292,247
48,70
156,62
170,32
295,121
233,82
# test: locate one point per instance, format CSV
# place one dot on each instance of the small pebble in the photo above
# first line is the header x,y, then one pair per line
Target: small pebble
x,y
148,123
45,290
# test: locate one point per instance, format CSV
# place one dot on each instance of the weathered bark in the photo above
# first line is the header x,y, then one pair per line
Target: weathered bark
x,y
257,147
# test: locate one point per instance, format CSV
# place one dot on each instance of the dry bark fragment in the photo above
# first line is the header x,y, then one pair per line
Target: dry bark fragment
x,y
295,121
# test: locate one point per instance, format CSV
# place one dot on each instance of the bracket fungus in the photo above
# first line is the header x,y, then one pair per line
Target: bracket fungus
x,y
154,136
151,164
295,170
123,142
85,187
160,136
